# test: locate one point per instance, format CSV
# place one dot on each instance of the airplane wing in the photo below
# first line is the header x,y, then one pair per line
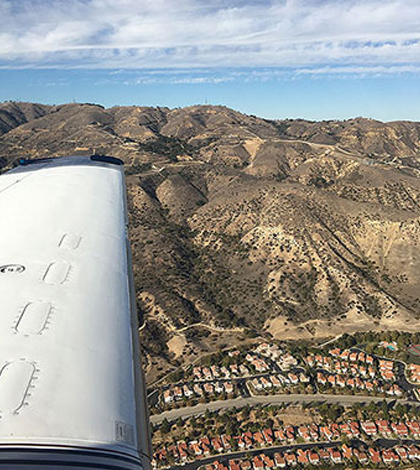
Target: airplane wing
x,y
72,393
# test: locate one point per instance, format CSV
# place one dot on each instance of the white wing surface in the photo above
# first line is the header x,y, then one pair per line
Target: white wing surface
x,y
70,388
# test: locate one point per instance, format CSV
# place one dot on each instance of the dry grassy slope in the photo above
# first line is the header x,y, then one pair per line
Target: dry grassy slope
x,y
291,227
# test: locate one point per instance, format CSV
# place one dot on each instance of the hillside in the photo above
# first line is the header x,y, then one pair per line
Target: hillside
x,y
242,225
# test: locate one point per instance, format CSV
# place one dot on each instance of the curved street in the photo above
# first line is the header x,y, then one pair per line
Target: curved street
x,y
345,400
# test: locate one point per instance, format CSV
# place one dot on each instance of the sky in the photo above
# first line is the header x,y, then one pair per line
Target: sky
x,y
315,59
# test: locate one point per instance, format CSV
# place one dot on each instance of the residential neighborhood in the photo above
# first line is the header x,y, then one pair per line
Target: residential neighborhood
x,y
272,370
329,456
369,430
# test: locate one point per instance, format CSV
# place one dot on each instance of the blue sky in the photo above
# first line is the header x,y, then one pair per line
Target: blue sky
x,y
317,59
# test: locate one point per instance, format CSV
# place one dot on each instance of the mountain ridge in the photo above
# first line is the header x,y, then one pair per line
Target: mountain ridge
x,y
244,226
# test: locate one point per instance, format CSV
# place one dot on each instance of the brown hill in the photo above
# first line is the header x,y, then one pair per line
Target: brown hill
x,y
242,225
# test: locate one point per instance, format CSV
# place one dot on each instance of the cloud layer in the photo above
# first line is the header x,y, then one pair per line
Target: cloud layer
x,y
312,36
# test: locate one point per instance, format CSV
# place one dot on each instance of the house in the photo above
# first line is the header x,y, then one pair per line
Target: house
x,y
217,445
294,379
260,365
240,442
234,369
313,458
198,390
290,433
233,465
195,448
395,390
269,463
335,456
302,457
310,360
351,383
375,456
414,372
243,370
168,397
324,454
320,377
414,427
369,386
287,361
233,353
335,352
402,453
219,466
183,454
279,460
208,388
248,439
256,383
197,373
205,445
345,354
218,387
361,456
207,373
345,429
400,429
389,457
279,435
347,451
313,430
269,350
304,378
173,450
275,381
228,387
331,380
369,428
257,463
354,426
335,428
188,393
383,427
359,383
341,381
178,393
290,459
327,432
413,452
226,442
268,435
266,383
303,432
246,465
215,371
259,438
225,372
353,356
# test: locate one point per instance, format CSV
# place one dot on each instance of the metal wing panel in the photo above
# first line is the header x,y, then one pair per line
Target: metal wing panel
x,y
82,389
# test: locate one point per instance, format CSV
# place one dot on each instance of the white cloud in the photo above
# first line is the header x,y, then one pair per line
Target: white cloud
x,y
229,33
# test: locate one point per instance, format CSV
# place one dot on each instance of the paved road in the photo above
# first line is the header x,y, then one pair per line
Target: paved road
x,y
346,400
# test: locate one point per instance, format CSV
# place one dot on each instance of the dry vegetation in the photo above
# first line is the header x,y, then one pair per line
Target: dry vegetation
x,y
245,226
